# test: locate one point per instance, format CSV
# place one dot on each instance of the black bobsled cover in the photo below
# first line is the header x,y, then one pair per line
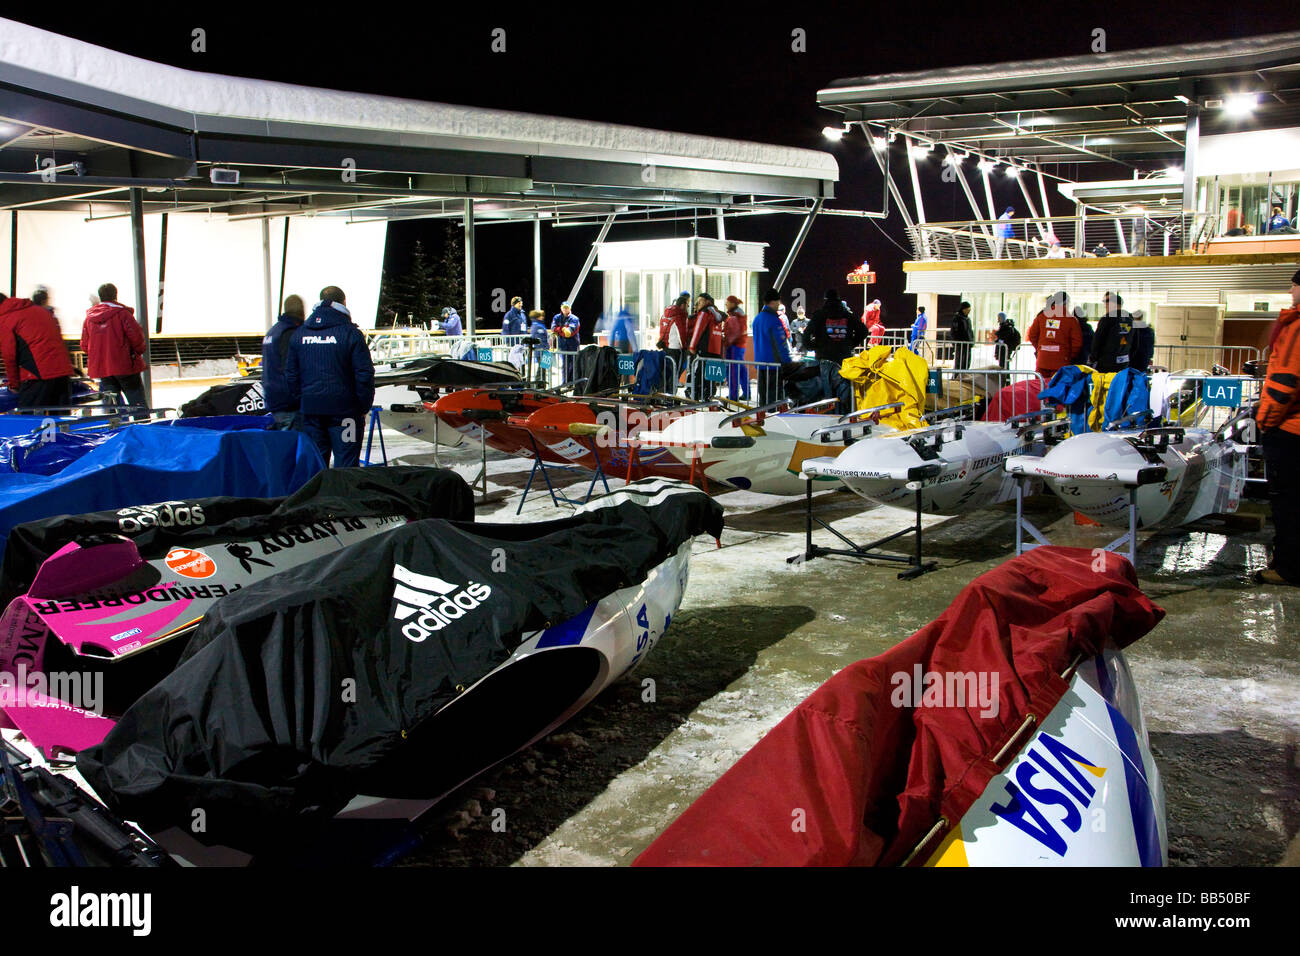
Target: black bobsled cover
x,y
446,373
597,370
243,397
412,491
312,686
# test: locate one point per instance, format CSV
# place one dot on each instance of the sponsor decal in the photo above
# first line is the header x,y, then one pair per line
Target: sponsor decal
x,y
1056,799
427,604
190,563
125,634
168,514
161,594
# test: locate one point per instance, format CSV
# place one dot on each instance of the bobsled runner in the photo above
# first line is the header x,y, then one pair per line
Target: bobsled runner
x,y
377,679
995,736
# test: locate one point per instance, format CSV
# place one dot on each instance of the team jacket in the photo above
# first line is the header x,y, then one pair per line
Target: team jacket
x,y
112,341
1112,343
736,328
329,367
769,338
515,322
834,331
672,327
1056,339
1279,406
559,324
32,343
708,333
275,358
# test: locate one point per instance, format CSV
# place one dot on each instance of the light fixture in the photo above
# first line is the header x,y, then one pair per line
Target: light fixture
x,y
922,150
1174,172
954,158
986,166
1182,99
833,132
1241,104
1012,171
879,143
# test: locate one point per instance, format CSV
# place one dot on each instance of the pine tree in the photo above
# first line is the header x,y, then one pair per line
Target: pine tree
x,y
418,289
451,271
389,313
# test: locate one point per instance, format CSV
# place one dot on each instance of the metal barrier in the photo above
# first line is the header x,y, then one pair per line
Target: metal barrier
x,y
1176,358
959,387
1153,232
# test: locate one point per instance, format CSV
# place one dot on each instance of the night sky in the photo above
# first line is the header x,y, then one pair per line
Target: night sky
x,y
728,72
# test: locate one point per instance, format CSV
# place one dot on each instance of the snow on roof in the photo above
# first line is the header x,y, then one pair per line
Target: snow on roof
x,y
66,67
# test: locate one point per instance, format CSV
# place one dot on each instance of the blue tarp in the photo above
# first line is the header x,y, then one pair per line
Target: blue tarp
x,y
141,465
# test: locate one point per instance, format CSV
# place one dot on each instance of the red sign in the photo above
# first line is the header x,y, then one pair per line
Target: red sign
x,y
191,563
861,277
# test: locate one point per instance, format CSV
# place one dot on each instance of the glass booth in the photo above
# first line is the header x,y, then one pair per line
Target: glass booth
x,y
645,276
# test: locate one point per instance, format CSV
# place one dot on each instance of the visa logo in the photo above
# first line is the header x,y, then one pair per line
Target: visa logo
x,y
1063,783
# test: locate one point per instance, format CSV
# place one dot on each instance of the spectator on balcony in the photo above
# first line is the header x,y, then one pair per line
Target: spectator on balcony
x,y
1003,231
1279,222
1054,248
1232,221
1101,250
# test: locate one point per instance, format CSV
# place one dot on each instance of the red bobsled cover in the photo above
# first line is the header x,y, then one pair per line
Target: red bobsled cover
x,y
872,778
1018,399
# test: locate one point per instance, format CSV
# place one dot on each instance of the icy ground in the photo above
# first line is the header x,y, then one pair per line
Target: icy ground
x,y
1219,679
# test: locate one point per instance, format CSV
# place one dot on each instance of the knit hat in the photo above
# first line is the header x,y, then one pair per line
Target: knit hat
x,y
1002,316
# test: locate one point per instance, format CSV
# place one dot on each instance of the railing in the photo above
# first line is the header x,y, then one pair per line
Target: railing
x,y
1176,358
1151,232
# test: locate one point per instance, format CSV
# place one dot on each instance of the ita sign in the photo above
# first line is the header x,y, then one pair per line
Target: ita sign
x,y
714,371
1222,392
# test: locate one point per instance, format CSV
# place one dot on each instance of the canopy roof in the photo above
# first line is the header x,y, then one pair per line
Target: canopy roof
x,y
1121,106
111,121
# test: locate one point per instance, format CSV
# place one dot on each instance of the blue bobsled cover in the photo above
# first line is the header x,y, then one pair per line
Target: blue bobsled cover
x,y
142,465
1129,394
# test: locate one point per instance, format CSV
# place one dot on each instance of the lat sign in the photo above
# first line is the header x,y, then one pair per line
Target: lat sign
x,y
1222,392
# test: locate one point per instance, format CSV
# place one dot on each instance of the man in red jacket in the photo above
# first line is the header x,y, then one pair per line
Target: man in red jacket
x,y
736,336
35,358
1055,336
708,334
114,347
672,333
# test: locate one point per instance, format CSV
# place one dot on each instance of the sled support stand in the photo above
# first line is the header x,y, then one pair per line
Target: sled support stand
x,y
539,465
375,426
867,552
1024,525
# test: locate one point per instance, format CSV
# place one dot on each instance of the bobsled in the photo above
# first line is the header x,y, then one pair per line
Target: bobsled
x,y
950,467
997,735
364,685
1168,476
428,377
761,450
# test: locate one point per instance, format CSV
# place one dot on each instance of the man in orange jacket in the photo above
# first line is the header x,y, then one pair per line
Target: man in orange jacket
x,y
1278,421
1055,336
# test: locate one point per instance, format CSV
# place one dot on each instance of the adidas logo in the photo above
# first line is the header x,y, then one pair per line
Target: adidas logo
x,y
428,604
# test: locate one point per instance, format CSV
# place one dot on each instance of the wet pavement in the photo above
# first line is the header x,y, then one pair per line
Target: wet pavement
x,y
1219,678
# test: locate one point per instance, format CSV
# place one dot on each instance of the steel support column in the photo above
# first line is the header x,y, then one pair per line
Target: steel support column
x,y
591,257
537,262
284,263
1192,140
804,228
266,273
469,267
141,290
13,253
162,275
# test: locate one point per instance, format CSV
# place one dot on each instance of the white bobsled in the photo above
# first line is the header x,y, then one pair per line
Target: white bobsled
x,y
955,466
1172,476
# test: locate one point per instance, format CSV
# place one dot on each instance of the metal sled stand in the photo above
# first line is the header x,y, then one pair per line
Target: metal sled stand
x,y
868,552
1024,525
539,465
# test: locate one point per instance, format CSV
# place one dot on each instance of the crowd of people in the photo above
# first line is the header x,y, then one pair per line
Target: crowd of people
x,y
38,367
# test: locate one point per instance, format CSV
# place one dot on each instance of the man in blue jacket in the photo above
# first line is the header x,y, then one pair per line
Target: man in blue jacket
x,y
770,348
330,369
515,323
567,329
280,401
